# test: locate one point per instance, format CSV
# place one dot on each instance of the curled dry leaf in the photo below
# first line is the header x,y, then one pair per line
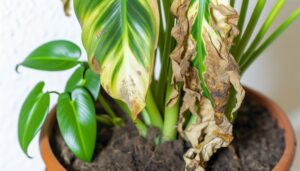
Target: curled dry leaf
x,y
66,4
201,60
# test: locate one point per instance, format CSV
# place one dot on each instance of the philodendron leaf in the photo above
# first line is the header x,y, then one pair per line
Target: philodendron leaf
x,y
84,78
77,122
92,83
120,37
53,56
76,79
32,115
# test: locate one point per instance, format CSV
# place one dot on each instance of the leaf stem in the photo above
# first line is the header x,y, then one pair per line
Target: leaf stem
x,y
250,28
106,106
232,3
264,29
53,92
171,118
291,19
141,127
154,114
161,87
171,113
241,23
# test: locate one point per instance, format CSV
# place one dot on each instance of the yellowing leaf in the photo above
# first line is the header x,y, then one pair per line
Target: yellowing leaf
x,y
120,37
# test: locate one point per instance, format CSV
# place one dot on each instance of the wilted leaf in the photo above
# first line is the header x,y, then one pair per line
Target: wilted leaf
x,y
66,4
204,33
120,38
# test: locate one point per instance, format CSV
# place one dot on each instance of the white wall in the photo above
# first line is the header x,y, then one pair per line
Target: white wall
x,y
25,24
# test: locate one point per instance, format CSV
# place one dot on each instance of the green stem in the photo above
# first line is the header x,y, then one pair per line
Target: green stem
x,y
106,107
250,28
161,87
161,28
241,23
171,113
291,19
141,127
264,29
154,114
146,117
232,3
105,119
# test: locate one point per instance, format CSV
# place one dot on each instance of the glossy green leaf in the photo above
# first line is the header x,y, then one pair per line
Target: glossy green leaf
x,y
76,79
92,83
32,115
120,37
53,56
87,79
77,122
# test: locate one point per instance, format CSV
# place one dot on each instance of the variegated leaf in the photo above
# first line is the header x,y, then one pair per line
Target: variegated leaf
x,y
120,37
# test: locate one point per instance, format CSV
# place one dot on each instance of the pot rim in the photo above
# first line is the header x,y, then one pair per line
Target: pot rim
x,y
285,162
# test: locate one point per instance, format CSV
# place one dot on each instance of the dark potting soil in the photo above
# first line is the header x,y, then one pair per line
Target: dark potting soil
x,y
258,146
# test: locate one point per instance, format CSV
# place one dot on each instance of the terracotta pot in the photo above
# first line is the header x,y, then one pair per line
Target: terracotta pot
x,y
284,164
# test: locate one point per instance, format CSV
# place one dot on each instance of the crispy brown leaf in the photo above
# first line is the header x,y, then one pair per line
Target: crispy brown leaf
x,y
212,129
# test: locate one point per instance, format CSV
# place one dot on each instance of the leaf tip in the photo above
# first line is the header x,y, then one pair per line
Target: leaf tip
x,y
17,68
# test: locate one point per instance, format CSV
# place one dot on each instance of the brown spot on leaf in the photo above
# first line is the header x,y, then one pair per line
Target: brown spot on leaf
x,y
95,66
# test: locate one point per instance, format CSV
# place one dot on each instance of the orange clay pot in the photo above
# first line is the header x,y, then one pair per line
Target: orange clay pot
x,y
284,164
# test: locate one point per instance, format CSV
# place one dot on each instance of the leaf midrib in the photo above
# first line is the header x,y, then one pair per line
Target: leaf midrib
x,y
62,58
124,23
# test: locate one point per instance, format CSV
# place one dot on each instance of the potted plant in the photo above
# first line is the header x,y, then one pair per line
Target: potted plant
x,y
182,119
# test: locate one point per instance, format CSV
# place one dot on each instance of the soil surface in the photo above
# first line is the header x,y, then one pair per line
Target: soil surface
x,y
258,146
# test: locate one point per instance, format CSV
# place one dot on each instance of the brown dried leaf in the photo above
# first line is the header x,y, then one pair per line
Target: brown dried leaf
x,y
212,130
66,4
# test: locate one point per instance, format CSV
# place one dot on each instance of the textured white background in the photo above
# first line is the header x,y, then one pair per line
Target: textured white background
x,y
25,24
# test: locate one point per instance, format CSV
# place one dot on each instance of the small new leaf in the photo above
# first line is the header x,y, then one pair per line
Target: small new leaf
x,y
53,56
92,83
32,115
87,79
76,79
77,122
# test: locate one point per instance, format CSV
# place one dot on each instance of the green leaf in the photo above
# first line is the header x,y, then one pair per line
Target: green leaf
x,y
53,56
92,83
76,79
77,122
248,60
120,37
87,79
32,115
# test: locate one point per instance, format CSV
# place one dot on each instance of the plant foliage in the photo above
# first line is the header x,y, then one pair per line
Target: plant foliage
x,y
203,46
